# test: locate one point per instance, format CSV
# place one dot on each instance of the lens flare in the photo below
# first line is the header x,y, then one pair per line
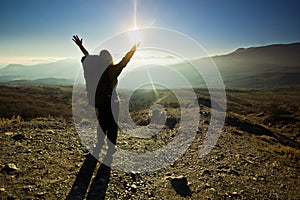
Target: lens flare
x,y
135,36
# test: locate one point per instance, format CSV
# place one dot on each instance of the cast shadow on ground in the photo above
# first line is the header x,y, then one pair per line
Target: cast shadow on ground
x,y
99,184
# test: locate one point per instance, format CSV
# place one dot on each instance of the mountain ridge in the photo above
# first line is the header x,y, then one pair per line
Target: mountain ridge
x,y
63,69
272,54
241,64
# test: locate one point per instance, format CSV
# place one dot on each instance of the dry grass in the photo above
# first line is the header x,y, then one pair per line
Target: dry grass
x,y
8,121
287,152
34,102
268,139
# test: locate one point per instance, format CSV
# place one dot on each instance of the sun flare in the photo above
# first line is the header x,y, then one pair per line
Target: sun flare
x,y
135,36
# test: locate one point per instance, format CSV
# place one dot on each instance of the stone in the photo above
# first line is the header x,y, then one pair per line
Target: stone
x,y
50,131
10,167
207,186
18,137
133,188
8,133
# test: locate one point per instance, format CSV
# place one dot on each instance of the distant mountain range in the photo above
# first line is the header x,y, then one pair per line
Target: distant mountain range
x,y
275,65
63,69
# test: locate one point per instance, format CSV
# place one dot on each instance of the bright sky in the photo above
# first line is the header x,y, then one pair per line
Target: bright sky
x,y
34,31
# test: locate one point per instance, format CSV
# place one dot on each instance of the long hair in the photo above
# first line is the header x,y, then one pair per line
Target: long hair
x,y
106,57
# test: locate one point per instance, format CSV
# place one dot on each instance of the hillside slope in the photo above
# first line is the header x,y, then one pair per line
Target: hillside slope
x,y
273,65
257,155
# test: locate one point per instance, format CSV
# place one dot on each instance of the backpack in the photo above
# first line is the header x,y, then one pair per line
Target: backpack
x,y
97,80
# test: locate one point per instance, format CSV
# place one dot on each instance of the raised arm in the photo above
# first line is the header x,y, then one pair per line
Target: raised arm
x,y
128,56
117,69
78,41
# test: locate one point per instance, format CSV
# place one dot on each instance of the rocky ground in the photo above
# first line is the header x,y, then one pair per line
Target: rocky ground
x,y
44,158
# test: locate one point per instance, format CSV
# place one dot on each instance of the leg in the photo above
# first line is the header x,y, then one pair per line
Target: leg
x,y
100,142
112,132
101,132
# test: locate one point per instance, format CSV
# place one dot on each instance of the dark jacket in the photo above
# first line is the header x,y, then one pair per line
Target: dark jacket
x,y
100,89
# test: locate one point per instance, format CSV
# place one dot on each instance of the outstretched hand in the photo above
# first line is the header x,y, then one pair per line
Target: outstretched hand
x,y
135,46
77,40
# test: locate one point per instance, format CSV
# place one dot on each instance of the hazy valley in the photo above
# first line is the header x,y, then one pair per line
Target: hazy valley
x,y
255,67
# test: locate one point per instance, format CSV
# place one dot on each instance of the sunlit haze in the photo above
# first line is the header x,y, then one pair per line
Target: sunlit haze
x,y
33,31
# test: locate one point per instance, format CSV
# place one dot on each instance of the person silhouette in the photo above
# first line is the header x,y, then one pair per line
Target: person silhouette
x,y
101,76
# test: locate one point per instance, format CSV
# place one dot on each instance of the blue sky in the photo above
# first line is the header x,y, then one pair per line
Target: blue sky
x,y
33,30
